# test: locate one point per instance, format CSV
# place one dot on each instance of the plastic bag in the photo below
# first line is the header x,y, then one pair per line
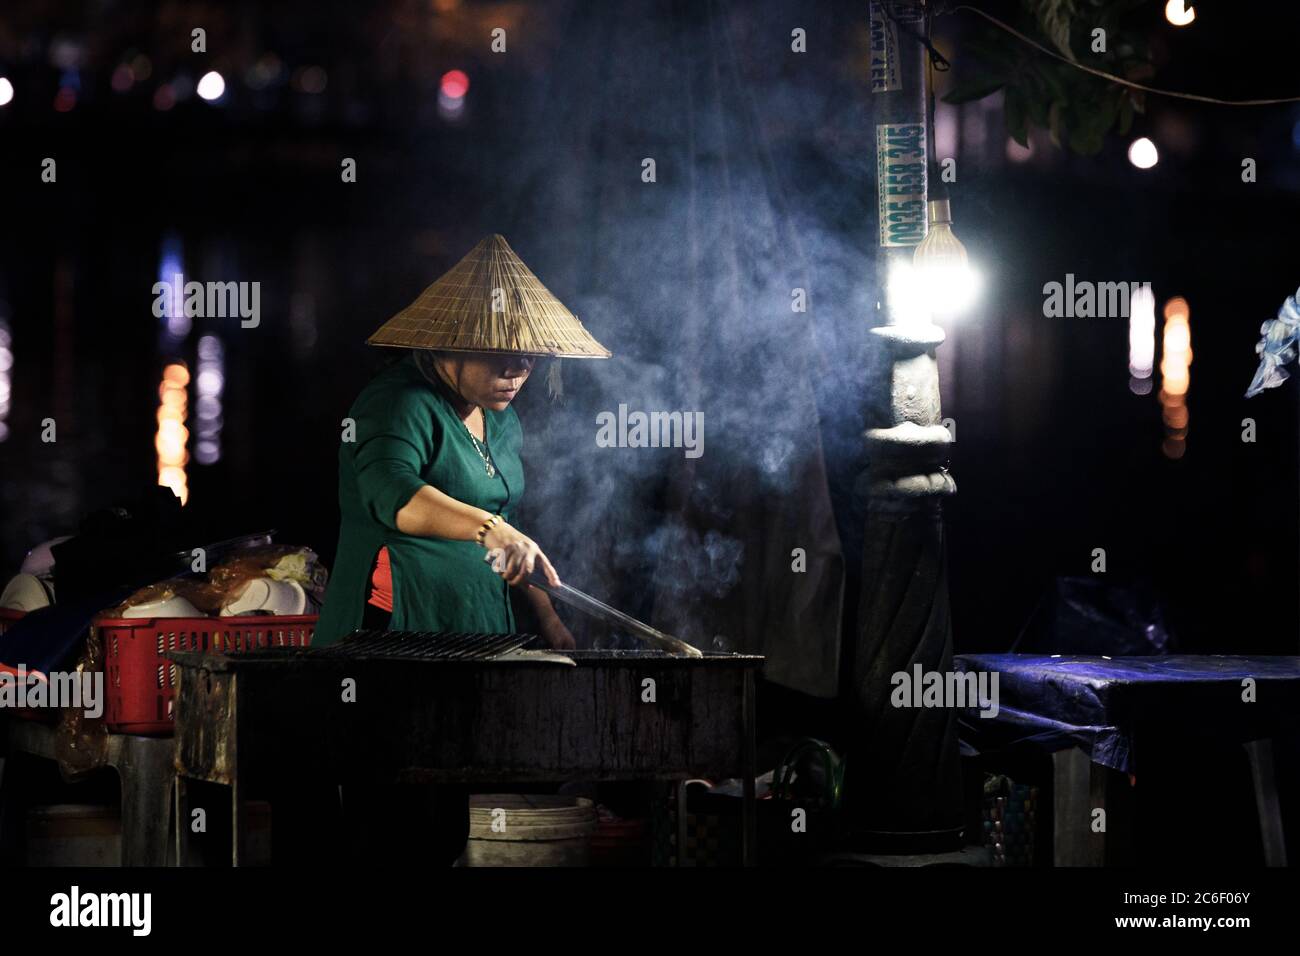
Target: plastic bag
x,y
81,742
201,593
1091,616
226,581
279,562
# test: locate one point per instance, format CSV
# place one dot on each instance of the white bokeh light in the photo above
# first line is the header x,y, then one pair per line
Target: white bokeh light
x,y
1143,154
1142,333
1178,13
211,86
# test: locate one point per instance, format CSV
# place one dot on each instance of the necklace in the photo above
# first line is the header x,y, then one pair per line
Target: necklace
x,y
481,447
425,364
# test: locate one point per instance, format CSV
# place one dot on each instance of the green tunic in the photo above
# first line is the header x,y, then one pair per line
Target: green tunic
x,y
408,435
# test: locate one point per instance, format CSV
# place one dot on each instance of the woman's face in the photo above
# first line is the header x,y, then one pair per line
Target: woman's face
x,y
490,379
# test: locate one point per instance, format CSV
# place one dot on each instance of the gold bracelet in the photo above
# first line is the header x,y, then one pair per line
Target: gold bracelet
x,y
485,528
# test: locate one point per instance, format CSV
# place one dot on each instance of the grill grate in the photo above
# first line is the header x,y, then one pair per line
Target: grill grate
x,y
425,645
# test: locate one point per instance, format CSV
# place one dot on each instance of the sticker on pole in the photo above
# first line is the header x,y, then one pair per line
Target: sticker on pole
x,y
900,182
885,75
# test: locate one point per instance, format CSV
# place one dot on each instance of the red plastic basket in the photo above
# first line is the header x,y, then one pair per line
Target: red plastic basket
x,y
141,682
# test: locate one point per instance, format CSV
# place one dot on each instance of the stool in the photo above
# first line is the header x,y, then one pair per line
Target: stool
x,y
145,770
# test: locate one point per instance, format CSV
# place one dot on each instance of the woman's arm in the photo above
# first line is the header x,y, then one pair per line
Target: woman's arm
x,y
434,514
541,602
394,442
431,513
552,628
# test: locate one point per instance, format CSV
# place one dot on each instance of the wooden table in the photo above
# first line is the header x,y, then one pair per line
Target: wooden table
x,y
241,720
1091,711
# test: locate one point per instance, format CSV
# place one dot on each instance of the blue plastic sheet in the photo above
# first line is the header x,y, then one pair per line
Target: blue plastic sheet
x,y
50,639
1096,616
1106,705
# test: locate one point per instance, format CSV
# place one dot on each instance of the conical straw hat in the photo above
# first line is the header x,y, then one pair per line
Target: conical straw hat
x,y
490,302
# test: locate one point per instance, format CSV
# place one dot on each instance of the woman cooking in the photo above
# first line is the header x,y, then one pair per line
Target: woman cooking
x,y
430,480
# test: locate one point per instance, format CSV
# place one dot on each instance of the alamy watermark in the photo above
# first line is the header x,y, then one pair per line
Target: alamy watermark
x,y
78,690
969,690
133,911
1089,300
651,430
209,300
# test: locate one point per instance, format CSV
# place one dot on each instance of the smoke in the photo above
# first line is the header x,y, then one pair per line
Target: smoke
x,y
762,197
712,560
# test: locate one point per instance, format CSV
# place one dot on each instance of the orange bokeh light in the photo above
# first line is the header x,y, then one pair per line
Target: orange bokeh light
x,y
172,436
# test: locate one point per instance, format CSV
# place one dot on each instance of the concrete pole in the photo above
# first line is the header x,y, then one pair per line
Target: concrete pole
x,y
905,793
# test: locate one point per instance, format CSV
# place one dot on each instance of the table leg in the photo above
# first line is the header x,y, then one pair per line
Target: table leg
x,y
680,795
238,828
1267,805
4,752
187,849
144,768
1074,842
748,809
1099,799
13,807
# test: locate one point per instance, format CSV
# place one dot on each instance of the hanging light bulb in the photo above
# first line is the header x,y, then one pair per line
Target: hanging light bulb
x,y
941,275
944,273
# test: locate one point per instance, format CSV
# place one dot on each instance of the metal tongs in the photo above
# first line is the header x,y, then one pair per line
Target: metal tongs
x,y
602,611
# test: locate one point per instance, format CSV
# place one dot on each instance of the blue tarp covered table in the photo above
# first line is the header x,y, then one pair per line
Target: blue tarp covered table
x,y
1112,707
1099,704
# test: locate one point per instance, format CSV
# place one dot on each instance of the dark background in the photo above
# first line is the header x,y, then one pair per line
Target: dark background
x,y
1055,455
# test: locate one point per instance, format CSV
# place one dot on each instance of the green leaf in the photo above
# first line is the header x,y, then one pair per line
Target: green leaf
x,y
975,89
1106,111
1088,137
1054,122
1052,80
1077,111
1038,105
1054,17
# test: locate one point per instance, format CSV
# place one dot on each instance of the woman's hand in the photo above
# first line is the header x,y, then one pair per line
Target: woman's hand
x,y
519,555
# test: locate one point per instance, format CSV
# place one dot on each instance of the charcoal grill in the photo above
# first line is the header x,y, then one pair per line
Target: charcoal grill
x,y
428,645
453,707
